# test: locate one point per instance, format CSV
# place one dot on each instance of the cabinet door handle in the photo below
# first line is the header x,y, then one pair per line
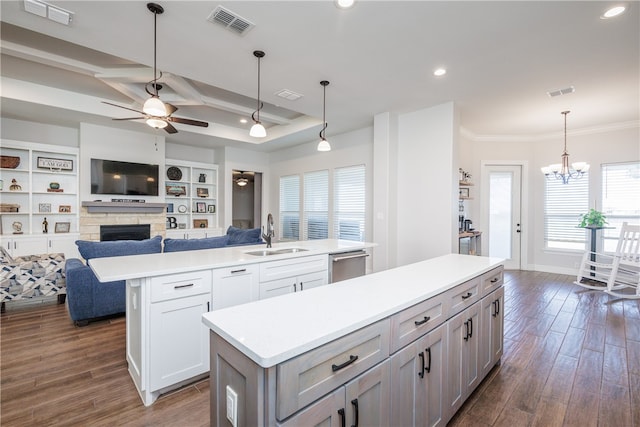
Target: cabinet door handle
x,y
471,327
423,321
183,286
295,287
495,309
242,270
352,359
428,367
498,306
466,334
354,402
208,306
342,417
301,286
421,371
495,279
468,295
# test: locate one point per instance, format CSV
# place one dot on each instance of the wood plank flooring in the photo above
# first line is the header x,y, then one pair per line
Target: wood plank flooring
x,y
571,358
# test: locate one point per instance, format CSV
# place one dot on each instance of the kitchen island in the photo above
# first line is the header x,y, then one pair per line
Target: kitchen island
x,y
167,294
407,344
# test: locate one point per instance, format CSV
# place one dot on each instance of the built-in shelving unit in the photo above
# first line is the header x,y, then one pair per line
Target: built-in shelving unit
x,y
191,194
39,186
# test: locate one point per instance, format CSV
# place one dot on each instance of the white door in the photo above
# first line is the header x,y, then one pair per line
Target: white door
x,y
503,213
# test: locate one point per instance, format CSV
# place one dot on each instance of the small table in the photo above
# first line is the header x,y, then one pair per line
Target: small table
x,y
474,242
593,241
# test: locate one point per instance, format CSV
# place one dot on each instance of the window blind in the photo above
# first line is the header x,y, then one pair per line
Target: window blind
x,y
349,203
290,207
563,206
620,199
316,205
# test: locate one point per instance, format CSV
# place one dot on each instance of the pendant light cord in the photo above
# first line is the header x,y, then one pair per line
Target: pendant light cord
x,y
258,110
155,52
324,84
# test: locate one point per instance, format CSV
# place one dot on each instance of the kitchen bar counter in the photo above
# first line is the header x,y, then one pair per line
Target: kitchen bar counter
x,y
139,266
274,330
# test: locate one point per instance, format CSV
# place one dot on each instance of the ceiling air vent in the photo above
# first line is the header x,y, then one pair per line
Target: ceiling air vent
x,y
558,92
288,94
231,20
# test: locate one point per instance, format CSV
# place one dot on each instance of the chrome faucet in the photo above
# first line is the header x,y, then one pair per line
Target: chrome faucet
x,y
270,231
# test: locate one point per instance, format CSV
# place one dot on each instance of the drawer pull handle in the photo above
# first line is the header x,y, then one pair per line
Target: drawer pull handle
x,y
242,270
183,286
342,417
421,371
468,295
354,402
423,321
495,279
352,359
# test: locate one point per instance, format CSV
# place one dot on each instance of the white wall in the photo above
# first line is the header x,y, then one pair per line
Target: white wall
x,y
595,146
20,130
427,184
100,142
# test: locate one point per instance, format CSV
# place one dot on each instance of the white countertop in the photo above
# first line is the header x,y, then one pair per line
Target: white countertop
x,y
273,330
137,266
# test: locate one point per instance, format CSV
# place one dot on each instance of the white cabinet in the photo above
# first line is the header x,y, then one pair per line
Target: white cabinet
x,y
293,275
463,375
38,181
35,245
418,376
491,344
191,194
193,234
166,340
235,285
362,401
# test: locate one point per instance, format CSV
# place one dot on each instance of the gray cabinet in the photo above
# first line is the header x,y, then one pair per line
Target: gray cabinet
x,y
418,377
491,345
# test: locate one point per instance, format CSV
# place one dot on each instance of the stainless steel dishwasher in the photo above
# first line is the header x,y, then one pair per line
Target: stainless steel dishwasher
x,y
346,265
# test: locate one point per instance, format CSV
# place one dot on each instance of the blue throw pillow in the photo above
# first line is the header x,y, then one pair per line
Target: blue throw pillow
x,y
239,236
176,245
90,250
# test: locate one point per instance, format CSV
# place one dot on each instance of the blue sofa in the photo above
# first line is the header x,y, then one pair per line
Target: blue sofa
x,y
88,298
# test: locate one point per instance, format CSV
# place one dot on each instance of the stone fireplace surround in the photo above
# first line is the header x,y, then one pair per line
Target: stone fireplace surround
x,y
90,222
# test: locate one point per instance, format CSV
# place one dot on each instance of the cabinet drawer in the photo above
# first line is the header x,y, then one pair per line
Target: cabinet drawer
x,y
463,295
311,375
410,324
180,285
492,280
275,270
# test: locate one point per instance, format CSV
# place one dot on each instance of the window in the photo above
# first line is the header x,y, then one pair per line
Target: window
x,y
620,199
349,203
563,206
316,205
290,207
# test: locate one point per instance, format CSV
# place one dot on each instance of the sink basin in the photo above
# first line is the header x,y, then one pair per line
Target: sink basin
x,y
267,252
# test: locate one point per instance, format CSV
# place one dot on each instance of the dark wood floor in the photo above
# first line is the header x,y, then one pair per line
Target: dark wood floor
x,y
571,358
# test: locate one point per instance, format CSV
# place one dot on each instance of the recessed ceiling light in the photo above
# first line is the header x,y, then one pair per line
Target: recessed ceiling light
x,y
612,12
439,72
243,120
345,4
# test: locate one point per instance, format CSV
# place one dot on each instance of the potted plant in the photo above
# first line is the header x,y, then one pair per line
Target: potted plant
x,y
593,219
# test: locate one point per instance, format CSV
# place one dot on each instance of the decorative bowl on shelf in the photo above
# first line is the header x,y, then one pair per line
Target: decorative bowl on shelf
x,y
174,173
9,162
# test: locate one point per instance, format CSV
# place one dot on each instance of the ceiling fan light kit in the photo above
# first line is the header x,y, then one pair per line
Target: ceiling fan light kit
x,y
258,130
324,145
154,107
562,170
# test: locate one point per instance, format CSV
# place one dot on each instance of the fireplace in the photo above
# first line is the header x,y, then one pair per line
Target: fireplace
x,y
125,232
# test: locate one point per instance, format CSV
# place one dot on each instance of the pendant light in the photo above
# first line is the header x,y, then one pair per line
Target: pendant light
x,y
257,130
562,170
324,145
154,106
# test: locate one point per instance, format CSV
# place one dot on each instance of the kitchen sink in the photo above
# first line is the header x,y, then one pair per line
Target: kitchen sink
x,y
267,252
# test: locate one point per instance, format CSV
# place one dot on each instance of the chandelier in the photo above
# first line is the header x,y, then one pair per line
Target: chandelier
x,y
562,170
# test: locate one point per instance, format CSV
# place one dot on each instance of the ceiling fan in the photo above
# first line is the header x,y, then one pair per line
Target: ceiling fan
x,y
158,114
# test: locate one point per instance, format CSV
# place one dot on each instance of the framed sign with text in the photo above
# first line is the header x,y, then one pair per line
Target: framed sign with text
x,y
51,163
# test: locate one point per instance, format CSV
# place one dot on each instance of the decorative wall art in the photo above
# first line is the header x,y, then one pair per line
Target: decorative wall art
x,y
62,227
44,207
55,164
200,223
202,192
176,190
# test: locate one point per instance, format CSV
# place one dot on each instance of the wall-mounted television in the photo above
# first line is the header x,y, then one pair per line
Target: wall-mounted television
x,y
123,178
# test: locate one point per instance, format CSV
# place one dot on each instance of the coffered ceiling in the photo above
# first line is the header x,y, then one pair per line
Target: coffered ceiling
x,y
502,59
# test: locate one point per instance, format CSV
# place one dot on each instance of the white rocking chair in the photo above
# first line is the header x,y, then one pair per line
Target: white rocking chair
x,y
614,273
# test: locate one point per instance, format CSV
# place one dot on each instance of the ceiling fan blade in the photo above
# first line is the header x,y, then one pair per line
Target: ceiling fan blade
x,y
120,106
170,108
188,121
170,129
132,118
